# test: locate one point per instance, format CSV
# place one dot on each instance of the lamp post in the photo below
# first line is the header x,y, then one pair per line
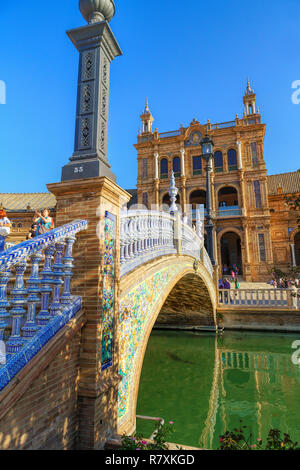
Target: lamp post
x,y
207,152
173,192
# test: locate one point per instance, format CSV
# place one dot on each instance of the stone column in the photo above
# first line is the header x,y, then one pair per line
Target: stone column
x,y
183,194
156,155
182,151
293,254
157,193
243,198
240,162
98,200
97,47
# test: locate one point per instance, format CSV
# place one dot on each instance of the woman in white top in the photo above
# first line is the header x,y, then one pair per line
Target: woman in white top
x,y
5,227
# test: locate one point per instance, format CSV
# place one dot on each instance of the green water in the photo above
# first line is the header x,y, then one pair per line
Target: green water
x,y
206,384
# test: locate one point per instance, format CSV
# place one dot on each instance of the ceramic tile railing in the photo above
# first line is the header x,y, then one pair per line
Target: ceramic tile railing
x,y
207,262
146,235
191,243
259,298
34,310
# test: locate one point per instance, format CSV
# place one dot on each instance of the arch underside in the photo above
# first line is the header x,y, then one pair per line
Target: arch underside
x,y
149,291
188,304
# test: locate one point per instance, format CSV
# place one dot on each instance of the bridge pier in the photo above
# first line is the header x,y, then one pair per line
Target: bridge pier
x,y
96,280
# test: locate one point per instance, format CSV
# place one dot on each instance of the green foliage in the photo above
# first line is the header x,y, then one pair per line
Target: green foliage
x,y
278,273
291,274
236,440
160,438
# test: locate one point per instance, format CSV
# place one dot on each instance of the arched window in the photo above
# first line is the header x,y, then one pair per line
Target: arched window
x,y
164,171
19,225
228,202
197,165
176,167
197,198
218,162
232,160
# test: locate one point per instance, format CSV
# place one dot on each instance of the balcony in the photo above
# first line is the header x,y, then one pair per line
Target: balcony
x,y
229,211
201,212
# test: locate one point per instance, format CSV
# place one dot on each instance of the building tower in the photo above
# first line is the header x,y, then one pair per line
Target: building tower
x,y
249,100
97,47
147,119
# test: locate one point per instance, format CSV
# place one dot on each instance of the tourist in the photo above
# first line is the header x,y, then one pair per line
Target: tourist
x,y
226,286
43,221
233,275
32,232
5,227
221,286
236,283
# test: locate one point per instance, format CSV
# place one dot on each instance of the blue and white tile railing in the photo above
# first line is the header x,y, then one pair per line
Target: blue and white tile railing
x,y
146,235
33,311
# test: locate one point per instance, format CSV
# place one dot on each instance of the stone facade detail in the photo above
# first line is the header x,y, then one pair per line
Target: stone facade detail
x,y
240,168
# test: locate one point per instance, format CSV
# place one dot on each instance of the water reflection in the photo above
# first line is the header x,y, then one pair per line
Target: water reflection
x,y
208,383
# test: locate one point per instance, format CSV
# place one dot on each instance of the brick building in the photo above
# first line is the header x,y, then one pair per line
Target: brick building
x,y
254,227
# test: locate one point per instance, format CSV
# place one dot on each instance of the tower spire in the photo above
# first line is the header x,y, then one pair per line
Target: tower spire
x,y
147,110
249,100
249,90
147,119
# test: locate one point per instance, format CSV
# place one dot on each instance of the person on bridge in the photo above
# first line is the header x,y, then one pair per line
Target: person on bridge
x,y
43,221
32,232
5,227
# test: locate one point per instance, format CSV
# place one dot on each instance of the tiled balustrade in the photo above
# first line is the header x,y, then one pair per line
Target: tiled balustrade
x,y
34,310
259,298
146,235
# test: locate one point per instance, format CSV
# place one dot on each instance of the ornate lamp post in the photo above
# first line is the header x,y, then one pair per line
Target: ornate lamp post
x,y
173,192
97,48
207,152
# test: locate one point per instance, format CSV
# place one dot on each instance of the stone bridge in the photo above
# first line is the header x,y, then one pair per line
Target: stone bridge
x,y
74,351
78,304
165,291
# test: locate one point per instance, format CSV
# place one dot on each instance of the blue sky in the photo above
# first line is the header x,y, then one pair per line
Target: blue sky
x,y
190,58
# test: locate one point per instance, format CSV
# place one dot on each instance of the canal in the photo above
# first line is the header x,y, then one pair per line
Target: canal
x,y
207,384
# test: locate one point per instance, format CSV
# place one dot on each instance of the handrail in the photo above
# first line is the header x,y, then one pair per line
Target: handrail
x,y
21,251
258,298
146,235
46,295
155,420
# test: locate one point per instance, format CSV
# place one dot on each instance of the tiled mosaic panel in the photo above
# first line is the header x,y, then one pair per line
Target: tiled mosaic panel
x,y
108,301
136,310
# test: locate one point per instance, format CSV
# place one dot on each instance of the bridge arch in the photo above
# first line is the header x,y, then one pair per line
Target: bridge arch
x,y
146,293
